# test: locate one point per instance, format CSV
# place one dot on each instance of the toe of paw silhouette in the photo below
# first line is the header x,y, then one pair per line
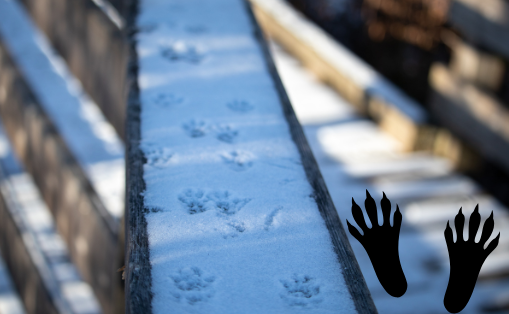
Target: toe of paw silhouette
x,y
466,258
381,243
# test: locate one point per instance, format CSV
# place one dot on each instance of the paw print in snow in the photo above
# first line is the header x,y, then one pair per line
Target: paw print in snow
x,y
301,290
195,128
167,100
180,51
194,201
226,133
238,160
240,106
158,157
192,285
226,205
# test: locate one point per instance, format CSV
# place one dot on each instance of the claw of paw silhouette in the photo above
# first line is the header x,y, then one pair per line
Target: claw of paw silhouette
x,y
381,243
466,258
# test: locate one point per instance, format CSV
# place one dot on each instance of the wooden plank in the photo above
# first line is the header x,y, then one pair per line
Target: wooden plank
x,y
34,253
485,23
88,35
82,215
474,65
139,292
471,114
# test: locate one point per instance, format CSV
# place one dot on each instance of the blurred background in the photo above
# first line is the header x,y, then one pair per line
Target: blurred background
x,y
406,97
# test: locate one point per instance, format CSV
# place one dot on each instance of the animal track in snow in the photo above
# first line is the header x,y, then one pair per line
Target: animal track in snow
x,y
158,157
192,285
225,204
167,100
194,201
239,160
240,106
234,229
269,220
183,52
226,133
301,290
195,128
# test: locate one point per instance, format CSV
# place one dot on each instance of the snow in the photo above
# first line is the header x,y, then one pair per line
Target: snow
x,y
91,139
232,225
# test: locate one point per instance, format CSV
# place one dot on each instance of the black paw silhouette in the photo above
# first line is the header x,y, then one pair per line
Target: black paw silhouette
x,y
466,258
381,243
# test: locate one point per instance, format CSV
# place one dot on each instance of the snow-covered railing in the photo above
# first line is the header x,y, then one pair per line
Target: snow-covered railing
x,y
88,34
227,211
36,255
74,156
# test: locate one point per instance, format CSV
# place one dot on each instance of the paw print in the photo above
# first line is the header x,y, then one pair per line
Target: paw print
x,y
167,100
240,106
194,201
158,157
195,128
238,160
466,258
381,243
226,205
226,133
192,285
180,51
300,290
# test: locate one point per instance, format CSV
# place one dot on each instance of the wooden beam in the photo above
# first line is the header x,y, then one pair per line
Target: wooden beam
x,y
140,289
88,35
471,114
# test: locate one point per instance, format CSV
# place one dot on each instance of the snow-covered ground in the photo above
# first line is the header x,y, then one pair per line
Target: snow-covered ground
x,y
232,225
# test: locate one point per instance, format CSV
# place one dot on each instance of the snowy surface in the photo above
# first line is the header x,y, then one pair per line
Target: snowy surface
x,y
354,155
232,227
90,138
47,249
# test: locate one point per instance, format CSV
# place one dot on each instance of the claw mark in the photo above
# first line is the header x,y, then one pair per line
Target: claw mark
x,y
226,205
466,258
269,220
195,128
180,51
156,209
240,106
192,285
226,133
381,243
239,160
166,100
194,200
301,290
158,157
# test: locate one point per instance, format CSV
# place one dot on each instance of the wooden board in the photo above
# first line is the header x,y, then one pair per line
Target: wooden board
x,y
92,43
138,267
86,226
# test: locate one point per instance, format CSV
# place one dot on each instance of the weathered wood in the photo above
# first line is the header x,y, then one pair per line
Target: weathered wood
x,y
485,23
90,232
471,114
32,249
474,65
138,267
91,40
